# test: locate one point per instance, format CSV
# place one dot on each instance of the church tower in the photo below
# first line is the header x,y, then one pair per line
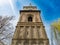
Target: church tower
x,y
30,29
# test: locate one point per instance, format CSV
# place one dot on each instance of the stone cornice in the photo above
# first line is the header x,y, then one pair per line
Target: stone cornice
x,y
30,11
29,23
31,39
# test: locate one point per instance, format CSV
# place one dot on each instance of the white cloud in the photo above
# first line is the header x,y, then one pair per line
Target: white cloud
x,y
3,2
7,7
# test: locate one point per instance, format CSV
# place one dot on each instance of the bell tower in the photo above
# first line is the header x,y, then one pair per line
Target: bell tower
x,y
30,29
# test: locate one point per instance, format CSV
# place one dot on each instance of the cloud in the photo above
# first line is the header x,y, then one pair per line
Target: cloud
x,y
12,6
3,2
7,7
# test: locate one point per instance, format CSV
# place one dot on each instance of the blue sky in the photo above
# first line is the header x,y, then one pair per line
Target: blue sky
x,y
50,9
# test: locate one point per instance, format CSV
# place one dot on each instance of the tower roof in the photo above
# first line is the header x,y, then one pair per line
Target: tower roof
x,y
30,7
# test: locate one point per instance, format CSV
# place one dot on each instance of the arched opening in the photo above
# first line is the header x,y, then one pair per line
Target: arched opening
x,y
29,19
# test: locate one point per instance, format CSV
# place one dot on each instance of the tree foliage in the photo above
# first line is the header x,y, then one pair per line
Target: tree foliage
x,y
56,30
56,25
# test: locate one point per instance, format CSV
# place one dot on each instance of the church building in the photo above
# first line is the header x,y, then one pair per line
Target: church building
x,y
30,29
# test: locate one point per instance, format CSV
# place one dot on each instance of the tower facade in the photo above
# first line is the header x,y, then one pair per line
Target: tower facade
x,y
30,29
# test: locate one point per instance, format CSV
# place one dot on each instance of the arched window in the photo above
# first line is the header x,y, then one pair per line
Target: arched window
x,y
29,19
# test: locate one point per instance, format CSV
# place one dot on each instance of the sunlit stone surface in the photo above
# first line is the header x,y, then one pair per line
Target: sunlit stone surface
x,y
30,29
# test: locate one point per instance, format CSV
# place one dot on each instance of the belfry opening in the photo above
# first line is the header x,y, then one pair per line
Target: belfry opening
x,y
29,19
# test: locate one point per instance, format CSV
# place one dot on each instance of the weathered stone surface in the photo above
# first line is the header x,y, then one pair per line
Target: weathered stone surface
x,y
30,29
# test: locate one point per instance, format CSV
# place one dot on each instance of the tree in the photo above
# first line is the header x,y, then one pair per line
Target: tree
x,y
56,30
6,28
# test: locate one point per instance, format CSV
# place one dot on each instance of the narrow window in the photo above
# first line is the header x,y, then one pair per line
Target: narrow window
x,y
29,19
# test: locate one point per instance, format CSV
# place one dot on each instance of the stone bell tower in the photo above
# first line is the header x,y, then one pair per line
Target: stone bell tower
x,y
30,29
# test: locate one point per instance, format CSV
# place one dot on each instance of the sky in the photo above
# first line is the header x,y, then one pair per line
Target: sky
x,y
50,10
